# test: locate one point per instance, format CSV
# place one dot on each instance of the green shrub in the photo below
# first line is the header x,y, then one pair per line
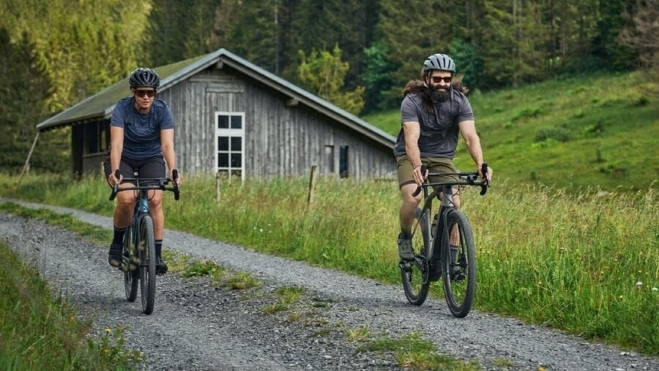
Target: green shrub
x,y
556,133
594,130
641,101
526,112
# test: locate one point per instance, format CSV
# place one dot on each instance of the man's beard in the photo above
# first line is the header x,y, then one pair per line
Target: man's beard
x,y
439,95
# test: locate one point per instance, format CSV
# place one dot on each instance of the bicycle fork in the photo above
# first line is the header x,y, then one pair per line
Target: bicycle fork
x,y
141,208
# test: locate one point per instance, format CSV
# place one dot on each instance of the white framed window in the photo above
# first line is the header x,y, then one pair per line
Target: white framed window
x,y
230,143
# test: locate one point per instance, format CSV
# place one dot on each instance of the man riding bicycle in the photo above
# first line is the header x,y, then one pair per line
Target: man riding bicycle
x,y
142,141
433,111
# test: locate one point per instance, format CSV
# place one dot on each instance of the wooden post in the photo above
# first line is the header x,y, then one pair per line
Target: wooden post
x,y
27,162
312,185
218,193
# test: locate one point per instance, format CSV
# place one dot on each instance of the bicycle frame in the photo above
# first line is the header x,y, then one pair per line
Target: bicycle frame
x,y
446,202
141,209
434,256
139,240
142,202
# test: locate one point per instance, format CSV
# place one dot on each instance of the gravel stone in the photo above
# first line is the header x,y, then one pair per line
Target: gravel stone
x,y
198,325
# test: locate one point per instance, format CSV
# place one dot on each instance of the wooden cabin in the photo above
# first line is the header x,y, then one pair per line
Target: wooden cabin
x,y
234,117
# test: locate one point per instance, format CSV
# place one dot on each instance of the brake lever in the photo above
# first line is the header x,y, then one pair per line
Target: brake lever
x,y
424,169
115,187
486,176
175,189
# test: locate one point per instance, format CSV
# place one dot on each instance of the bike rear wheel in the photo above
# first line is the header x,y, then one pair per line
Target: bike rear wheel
x,y
459,271
147,253
131,275
414,274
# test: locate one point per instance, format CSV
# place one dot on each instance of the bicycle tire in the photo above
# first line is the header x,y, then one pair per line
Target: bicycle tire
x,y
414,275
459,277
131,274
147,252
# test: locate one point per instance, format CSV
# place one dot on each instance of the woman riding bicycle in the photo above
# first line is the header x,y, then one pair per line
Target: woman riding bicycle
x,y
433,111
141,141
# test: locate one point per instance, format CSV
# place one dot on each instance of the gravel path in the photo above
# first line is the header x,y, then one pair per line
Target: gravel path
x,y
198,326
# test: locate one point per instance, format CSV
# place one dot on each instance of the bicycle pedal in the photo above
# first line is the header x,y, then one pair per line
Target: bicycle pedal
x,y
127,267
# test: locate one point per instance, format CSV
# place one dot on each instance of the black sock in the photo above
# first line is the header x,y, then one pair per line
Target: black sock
x,y
119,235
159,248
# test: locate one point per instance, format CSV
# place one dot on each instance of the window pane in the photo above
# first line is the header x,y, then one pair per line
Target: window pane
x,y
92,137
222,160
103,144
222,122
236,144
343,162
329,159
236,122
222,143
236,160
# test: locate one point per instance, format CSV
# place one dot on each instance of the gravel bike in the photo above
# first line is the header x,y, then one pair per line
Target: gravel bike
x,y
139,247
443,245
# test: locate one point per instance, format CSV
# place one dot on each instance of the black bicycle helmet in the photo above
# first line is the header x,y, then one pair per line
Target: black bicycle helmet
x,y
144,77
439,62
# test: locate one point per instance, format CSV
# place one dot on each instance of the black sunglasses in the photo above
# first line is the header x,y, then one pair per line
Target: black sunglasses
x,y
438,79
145,93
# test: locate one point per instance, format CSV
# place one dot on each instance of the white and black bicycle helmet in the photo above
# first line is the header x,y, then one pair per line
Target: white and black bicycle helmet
x,y
144,77
439,62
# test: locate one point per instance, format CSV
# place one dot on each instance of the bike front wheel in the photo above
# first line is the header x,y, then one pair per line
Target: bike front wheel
x,y
147,253
459,267
414,274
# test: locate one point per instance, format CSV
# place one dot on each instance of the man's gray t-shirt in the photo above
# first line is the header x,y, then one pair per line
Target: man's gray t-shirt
x,y
141,131
439,130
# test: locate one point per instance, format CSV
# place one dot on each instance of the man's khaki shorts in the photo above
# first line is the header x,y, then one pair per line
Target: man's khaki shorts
x,y
434,165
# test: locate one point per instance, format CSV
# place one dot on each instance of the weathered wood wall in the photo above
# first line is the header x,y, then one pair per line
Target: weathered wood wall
x,y
280,140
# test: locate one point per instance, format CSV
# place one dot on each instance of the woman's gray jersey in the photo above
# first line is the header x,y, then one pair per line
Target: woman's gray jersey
x,y
141,131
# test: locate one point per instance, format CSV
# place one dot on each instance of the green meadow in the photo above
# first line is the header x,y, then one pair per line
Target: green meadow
x,y
567,237
597,131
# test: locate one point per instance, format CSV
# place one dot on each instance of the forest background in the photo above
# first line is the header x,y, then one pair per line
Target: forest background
x,y
356,54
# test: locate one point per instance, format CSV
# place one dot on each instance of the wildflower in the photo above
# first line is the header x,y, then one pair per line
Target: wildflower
x,y
655,289
639,284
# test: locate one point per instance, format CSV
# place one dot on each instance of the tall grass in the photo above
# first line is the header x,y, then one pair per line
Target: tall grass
x,y
39,331
585,262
